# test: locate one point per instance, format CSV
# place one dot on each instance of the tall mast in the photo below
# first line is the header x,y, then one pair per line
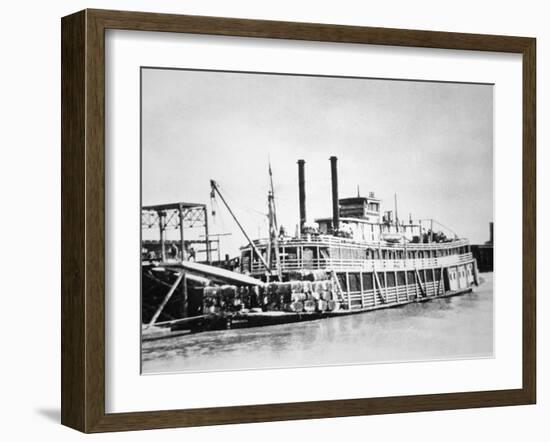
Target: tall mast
x,y
273,196
273,227
216,189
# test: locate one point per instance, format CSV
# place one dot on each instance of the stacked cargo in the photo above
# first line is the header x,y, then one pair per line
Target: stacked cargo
x,y
302,296
323,295
293,296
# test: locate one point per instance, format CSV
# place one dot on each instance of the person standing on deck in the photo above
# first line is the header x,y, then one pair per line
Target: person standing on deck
x,y
174,251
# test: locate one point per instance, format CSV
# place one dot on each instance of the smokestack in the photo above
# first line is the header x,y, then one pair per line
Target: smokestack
x,y
302,193
491,234
335,201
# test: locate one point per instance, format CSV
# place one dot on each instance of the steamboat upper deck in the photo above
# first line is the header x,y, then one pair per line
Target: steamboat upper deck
x,y
356,238
327,252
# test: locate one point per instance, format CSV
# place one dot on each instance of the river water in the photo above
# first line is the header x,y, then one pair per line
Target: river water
x,y
449,328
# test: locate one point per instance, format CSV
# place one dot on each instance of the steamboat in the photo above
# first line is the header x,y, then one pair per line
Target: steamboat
x,y
357,260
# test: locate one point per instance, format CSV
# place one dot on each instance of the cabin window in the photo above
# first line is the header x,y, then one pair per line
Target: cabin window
x,y
421,254
390,277
291,253
367,281
429,275
410,277
354,282
323,253
308,256
343,281
437,274
401,278
381,279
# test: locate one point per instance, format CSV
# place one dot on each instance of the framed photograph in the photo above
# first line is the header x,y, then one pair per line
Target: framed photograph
x,y
267,220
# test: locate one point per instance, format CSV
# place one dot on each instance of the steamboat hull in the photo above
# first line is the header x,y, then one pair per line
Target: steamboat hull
x,y
346,292
249,320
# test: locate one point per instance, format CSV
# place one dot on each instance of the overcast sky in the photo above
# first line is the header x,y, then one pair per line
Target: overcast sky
x,y
431,143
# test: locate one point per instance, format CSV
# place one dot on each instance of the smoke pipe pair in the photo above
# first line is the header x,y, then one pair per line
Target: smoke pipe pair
x,y
302,193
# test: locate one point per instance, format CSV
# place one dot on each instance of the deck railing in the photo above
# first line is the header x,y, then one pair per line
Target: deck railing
x,y
332,241
367,265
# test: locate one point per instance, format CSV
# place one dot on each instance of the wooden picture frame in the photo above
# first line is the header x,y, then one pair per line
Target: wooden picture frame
x,y
83,220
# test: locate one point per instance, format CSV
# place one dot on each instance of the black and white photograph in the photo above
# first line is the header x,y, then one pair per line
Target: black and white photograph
x,y
302,220
270,221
